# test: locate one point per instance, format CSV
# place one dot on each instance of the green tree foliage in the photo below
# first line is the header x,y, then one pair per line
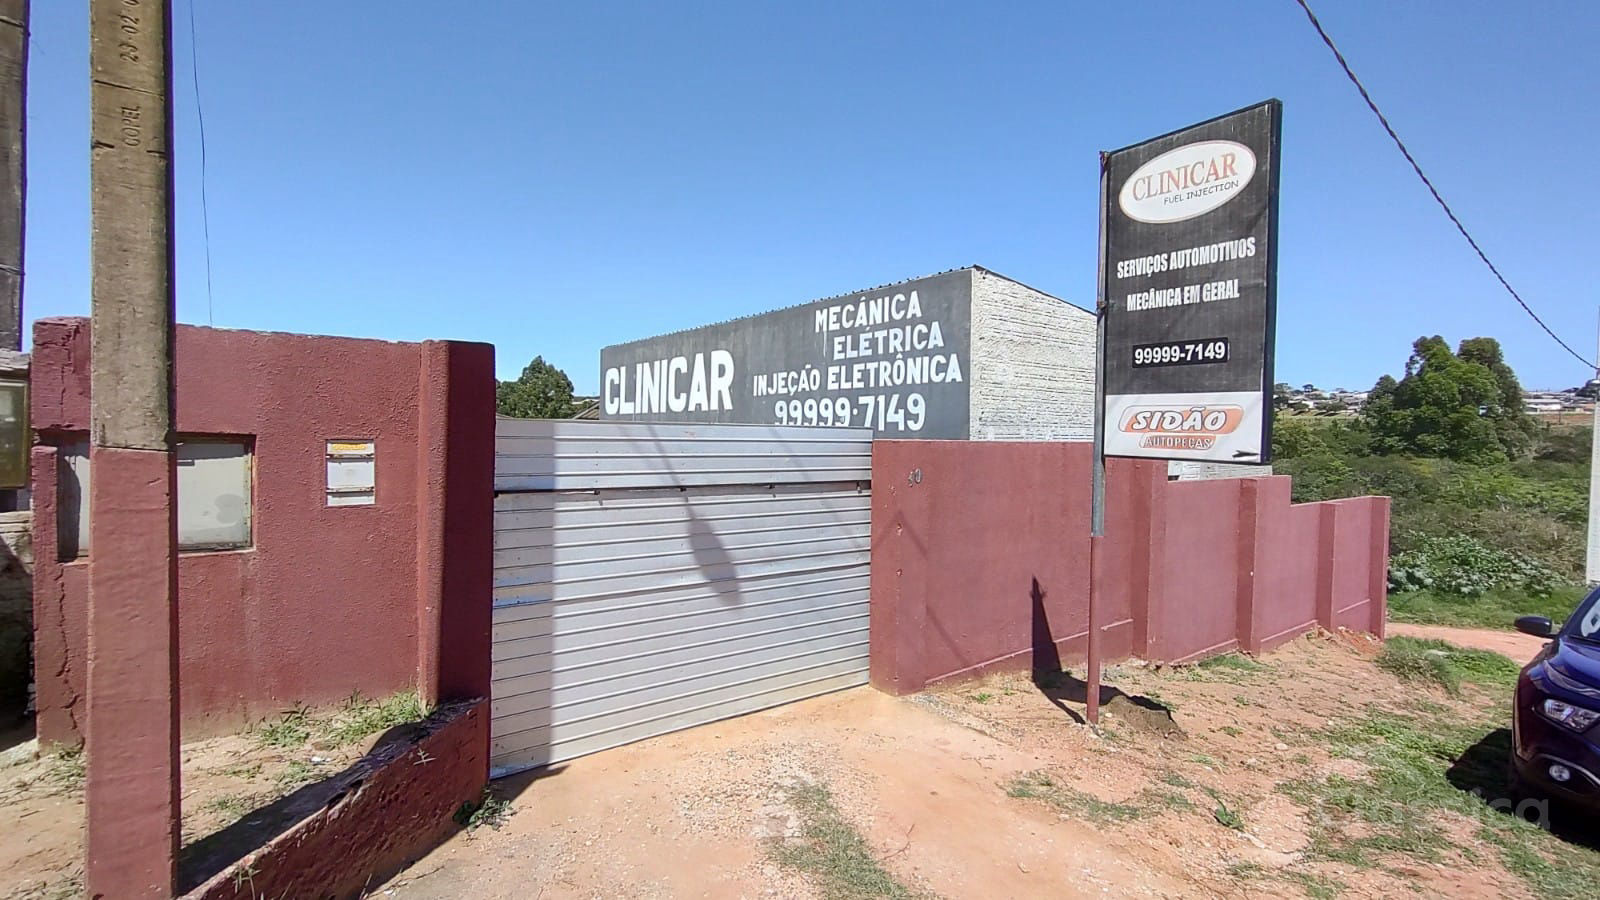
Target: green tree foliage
x,y
1450,405
1514,426
542,392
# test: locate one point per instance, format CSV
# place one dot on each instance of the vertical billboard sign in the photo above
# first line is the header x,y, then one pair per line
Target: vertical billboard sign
x,y
1190,288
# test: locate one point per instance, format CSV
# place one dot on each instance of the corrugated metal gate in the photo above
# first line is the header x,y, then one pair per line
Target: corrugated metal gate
x,y
653,577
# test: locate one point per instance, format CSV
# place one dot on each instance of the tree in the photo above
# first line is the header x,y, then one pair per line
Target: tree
x,y
1445,406
1515,427
542,392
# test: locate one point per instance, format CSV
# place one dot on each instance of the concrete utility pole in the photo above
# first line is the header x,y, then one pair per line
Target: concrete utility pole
x,y
132,728
1591,568
13,165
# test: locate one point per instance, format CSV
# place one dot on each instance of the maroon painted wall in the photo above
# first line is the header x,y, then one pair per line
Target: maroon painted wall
x,y
328,600
386,811
980,561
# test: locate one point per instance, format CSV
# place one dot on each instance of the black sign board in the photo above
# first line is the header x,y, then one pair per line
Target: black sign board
x,y
1190,285
894,359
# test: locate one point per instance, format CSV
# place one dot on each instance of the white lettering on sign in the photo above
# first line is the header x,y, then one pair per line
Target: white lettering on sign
x,y
703,382
1187,181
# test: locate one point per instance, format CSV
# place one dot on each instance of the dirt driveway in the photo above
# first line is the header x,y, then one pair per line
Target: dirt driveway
x,y
1265,779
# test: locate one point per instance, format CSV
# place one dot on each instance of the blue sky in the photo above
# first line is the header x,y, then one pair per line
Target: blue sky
x,y
553,178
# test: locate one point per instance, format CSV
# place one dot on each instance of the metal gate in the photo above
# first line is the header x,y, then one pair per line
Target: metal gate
x,y
654,577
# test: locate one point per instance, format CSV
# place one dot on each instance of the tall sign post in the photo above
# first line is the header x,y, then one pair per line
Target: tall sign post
x,y
1591,567
1186,305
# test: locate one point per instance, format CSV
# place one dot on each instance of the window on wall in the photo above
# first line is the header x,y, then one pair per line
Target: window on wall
x,y
72,499
214,481
214,489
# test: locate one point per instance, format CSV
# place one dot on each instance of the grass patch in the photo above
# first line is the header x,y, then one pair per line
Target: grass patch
x,y
297,773
1176,780
361,718
1493,609
1234,668
231,805
1237,662
491,810
1226,816
247,771
291,729
1432,661
833,853
65,770
356,719
1044,787
982,697
1420,767
1231,730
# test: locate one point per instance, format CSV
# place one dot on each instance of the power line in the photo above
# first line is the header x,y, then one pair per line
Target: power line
x,y
1384,121
199,111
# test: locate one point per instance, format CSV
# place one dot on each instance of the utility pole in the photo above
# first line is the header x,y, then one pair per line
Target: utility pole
x,y
13,165
1591,568
132,728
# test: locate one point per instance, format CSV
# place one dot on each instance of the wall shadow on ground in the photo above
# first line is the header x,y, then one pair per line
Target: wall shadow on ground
x,y
1062,688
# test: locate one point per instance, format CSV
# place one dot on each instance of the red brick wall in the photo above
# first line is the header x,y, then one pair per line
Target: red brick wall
x,y
389,809
327,600
980,560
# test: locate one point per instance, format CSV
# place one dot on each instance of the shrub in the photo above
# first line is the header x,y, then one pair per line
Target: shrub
x,y
1458,564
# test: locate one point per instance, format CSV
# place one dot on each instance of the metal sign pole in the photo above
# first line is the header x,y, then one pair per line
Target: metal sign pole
x,y
1097,470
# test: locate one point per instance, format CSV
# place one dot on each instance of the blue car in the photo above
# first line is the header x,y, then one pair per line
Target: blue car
x,y
1555,726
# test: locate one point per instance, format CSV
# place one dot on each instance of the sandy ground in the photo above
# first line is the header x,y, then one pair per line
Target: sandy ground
x,y
1520,647
926,779
226,780
929,781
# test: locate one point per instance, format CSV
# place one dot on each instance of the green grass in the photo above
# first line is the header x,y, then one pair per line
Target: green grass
x,y
1225,815
1070,800
982,697
1234,668
1421,766
491,810
65,770
1494,609
1431,661
357,719
247,771
361,718
832,853
231,805
291,729
297,773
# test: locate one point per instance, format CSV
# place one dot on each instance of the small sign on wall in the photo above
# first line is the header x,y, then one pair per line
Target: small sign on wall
x,y
352,473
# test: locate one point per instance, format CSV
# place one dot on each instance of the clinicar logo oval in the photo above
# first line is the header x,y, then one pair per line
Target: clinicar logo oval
x,y
1190,181
1181,428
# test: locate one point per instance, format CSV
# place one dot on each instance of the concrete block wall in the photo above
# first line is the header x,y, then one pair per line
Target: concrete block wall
x,y
1032,364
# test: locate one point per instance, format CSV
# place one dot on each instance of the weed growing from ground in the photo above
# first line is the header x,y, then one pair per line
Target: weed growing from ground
x,y
297,773
232,805
1420,767
833,853
66,770
291,729
1431,661
361,718
491,809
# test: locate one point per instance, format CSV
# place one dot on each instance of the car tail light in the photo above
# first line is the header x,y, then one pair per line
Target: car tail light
x,y
1574,717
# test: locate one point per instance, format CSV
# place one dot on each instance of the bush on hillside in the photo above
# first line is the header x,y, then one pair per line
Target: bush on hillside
x,y
1460,565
